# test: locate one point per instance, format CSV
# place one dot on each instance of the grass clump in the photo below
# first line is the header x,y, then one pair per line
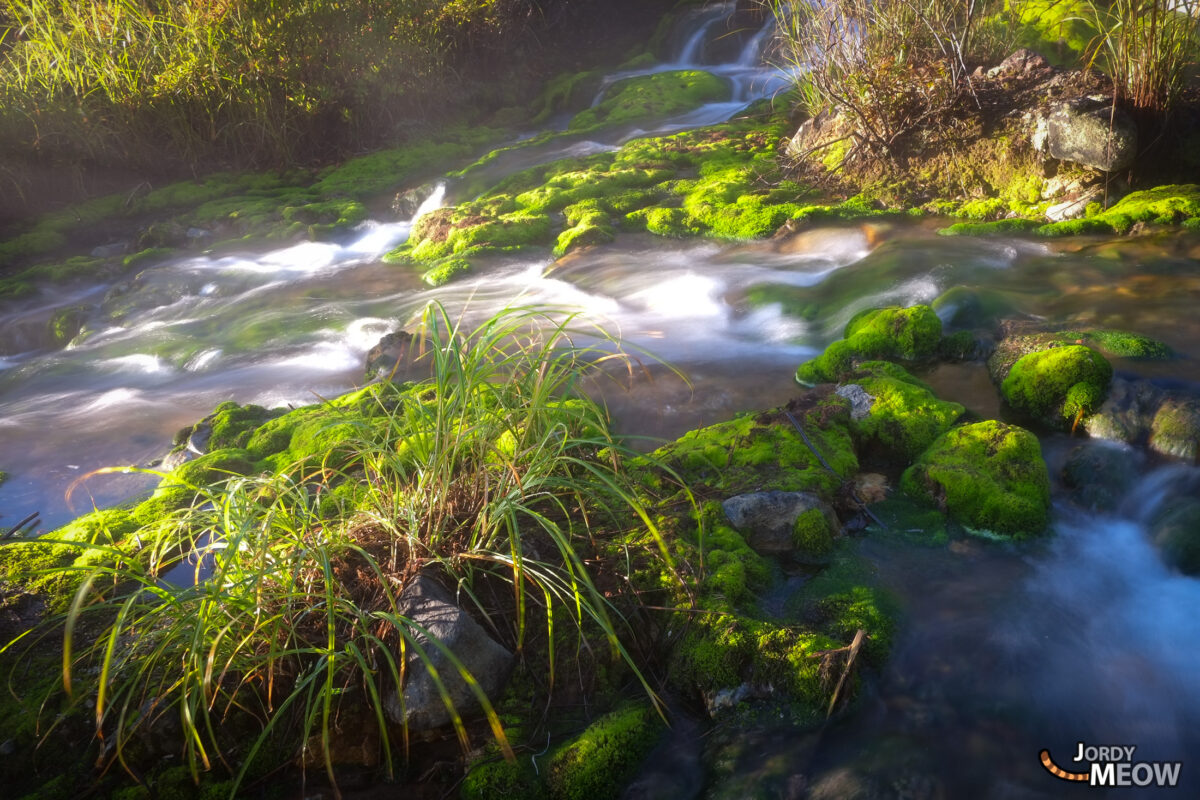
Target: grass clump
x,y
291,618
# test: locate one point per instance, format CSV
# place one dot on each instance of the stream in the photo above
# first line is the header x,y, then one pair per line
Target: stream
x,y
1085,636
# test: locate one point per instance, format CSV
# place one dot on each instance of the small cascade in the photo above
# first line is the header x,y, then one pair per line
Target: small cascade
x,y
752,53
436,200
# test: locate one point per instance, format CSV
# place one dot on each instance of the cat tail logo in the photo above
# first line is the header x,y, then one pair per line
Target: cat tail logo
x,y
1114,766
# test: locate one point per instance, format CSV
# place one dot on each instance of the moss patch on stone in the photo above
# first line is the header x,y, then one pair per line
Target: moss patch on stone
x,y
1059,386
901,333
1163,205
660,94
905,416
765,451
988,476
597,763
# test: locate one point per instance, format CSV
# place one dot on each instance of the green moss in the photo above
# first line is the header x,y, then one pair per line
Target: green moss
x,y
905,416
907,333
53,566
813,534
987,476
1163,205
497,778
1124,344
233,425
150,254
1058,386
1001,227
597,763
844,598
894,332
658,95
763,452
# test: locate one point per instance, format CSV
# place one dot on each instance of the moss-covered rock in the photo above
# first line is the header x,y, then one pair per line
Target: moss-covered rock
x,y
1059,386
988,476
660,94
1162,205
597,763
900,333
1175,431
904,416
765,451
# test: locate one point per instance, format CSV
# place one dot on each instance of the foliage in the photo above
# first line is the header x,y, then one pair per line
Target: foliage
x,y
1148,47
892,67
484,475
148,85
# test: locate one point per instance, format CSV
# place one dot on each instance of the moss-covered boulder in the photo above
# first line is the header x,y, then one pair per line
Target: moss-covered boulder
x,y
596,764
884,333
797,523
766,451
1175,431
657,95
988,476
1059,386
902,416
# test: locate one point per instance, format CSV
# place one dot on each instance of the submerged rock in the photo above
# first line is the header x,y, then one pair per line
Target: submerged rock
x,y
423,708
989,477
783,522
1100,474
1176,531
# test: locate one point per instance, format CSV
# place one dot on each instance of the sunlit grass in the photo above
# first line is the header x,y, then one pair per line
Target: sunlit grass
x,y
494,471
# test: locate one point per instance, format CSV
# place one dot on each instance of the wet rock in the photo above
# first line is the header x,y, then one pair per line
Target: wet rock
x,y
406,203
860,401
175,458
1086,131
429,605
776,522
1100,474
1127,414
110,250
844,784
390,355
1175,431
1175,529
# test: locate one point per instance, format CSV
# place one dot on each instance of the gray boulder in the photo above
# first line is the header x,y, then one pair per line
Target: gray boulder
x,y
1086,131
431,606
391,355
768,520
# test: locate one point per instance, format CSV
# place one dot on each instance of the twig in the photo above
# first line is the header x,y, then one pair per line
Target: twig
x,y
855,646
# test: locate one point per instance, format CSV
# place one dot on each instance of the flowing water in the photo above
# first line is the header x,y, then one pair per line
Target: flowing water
x,y
1084,637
